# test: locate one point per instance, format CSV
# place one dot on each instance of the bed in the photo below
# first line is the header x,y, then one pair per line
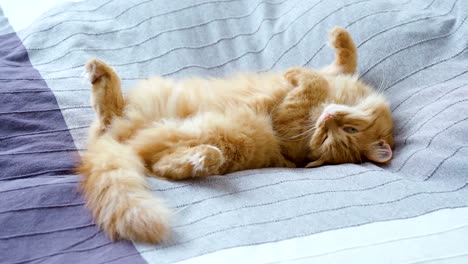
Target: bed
x,y
415,210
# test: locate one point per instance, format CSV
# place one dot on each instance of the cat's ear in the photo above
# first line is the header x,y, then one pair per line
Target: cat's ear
x,y
314,164
379,151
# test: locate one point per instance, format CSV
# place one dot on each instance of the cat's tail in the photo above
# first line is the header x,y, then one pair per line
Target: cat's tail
x,y
116,192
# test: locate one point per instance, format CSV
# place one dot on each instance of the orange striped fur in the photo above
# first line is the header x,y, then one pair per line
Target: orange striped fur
x,y
201,127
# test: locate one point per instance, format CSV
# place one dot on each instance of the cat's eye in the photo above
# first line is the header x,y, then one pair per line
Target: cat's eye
x,y
350,130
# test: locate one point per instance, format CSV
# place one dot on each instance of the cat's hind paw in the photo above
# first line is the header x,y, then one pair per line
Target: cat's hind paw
x,y
199,161
107,99
96,70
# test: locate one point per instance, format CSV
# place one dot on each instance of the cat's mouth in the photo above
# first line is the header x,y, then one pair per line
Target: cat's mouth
x,y
324,139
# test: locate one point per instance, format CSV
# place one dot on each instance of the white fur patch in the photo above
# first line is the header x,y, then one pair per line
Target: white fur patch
x,y
85,78
191,125
88,73
332,69
173,99
331,109
198,162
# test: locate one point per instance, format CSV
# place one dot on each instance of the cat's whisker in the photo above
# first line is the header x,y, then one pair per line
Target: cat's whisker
x,y
307,133
383,83
296,128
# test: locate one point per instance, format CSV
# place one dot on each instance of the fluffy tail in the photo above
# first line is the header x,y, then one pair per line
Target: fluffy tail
x,y
116,191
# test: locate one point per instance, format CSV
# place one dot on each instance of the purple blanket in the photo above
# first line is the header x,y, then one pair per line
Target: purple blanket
x,y
42,216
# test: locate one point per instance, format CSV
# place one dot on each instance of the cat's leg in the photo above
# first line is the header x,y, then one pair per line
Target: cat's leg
x,y
189,162
298,76
107,99
291,117
176,151
345,52
209,144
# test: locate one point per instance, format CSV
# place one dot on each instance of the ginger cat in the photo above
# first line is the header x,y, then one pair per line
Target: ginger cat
x,y
200,127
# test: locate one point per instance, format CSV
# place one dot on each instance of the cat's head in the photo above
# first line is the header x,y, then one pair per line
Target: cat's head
x,y
353,134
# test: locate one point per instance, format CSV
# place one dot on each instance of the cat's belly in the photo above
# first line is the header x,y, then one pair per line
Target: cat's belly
x,y
159,98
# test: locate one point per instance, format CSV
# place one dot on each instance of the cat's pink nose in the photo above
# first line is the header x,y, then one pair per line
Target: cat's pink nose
x,y
328,116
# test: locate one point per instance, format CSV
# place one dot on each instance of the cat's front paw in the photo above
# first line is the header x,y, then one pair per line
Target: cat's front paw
x,y
293,75
340,38
298,76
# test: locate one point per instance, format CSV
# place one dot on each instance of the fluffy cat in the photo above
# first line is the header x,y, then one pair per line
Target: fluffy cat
x,y
199,127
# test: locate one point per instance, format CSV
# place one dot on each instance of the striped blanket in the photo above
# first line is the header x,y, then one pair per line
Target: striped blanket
x,y
413,210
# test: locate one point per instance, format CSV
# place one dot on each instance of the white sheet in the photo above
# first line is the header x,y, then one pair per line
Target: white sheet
x,y
433,237
21,13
